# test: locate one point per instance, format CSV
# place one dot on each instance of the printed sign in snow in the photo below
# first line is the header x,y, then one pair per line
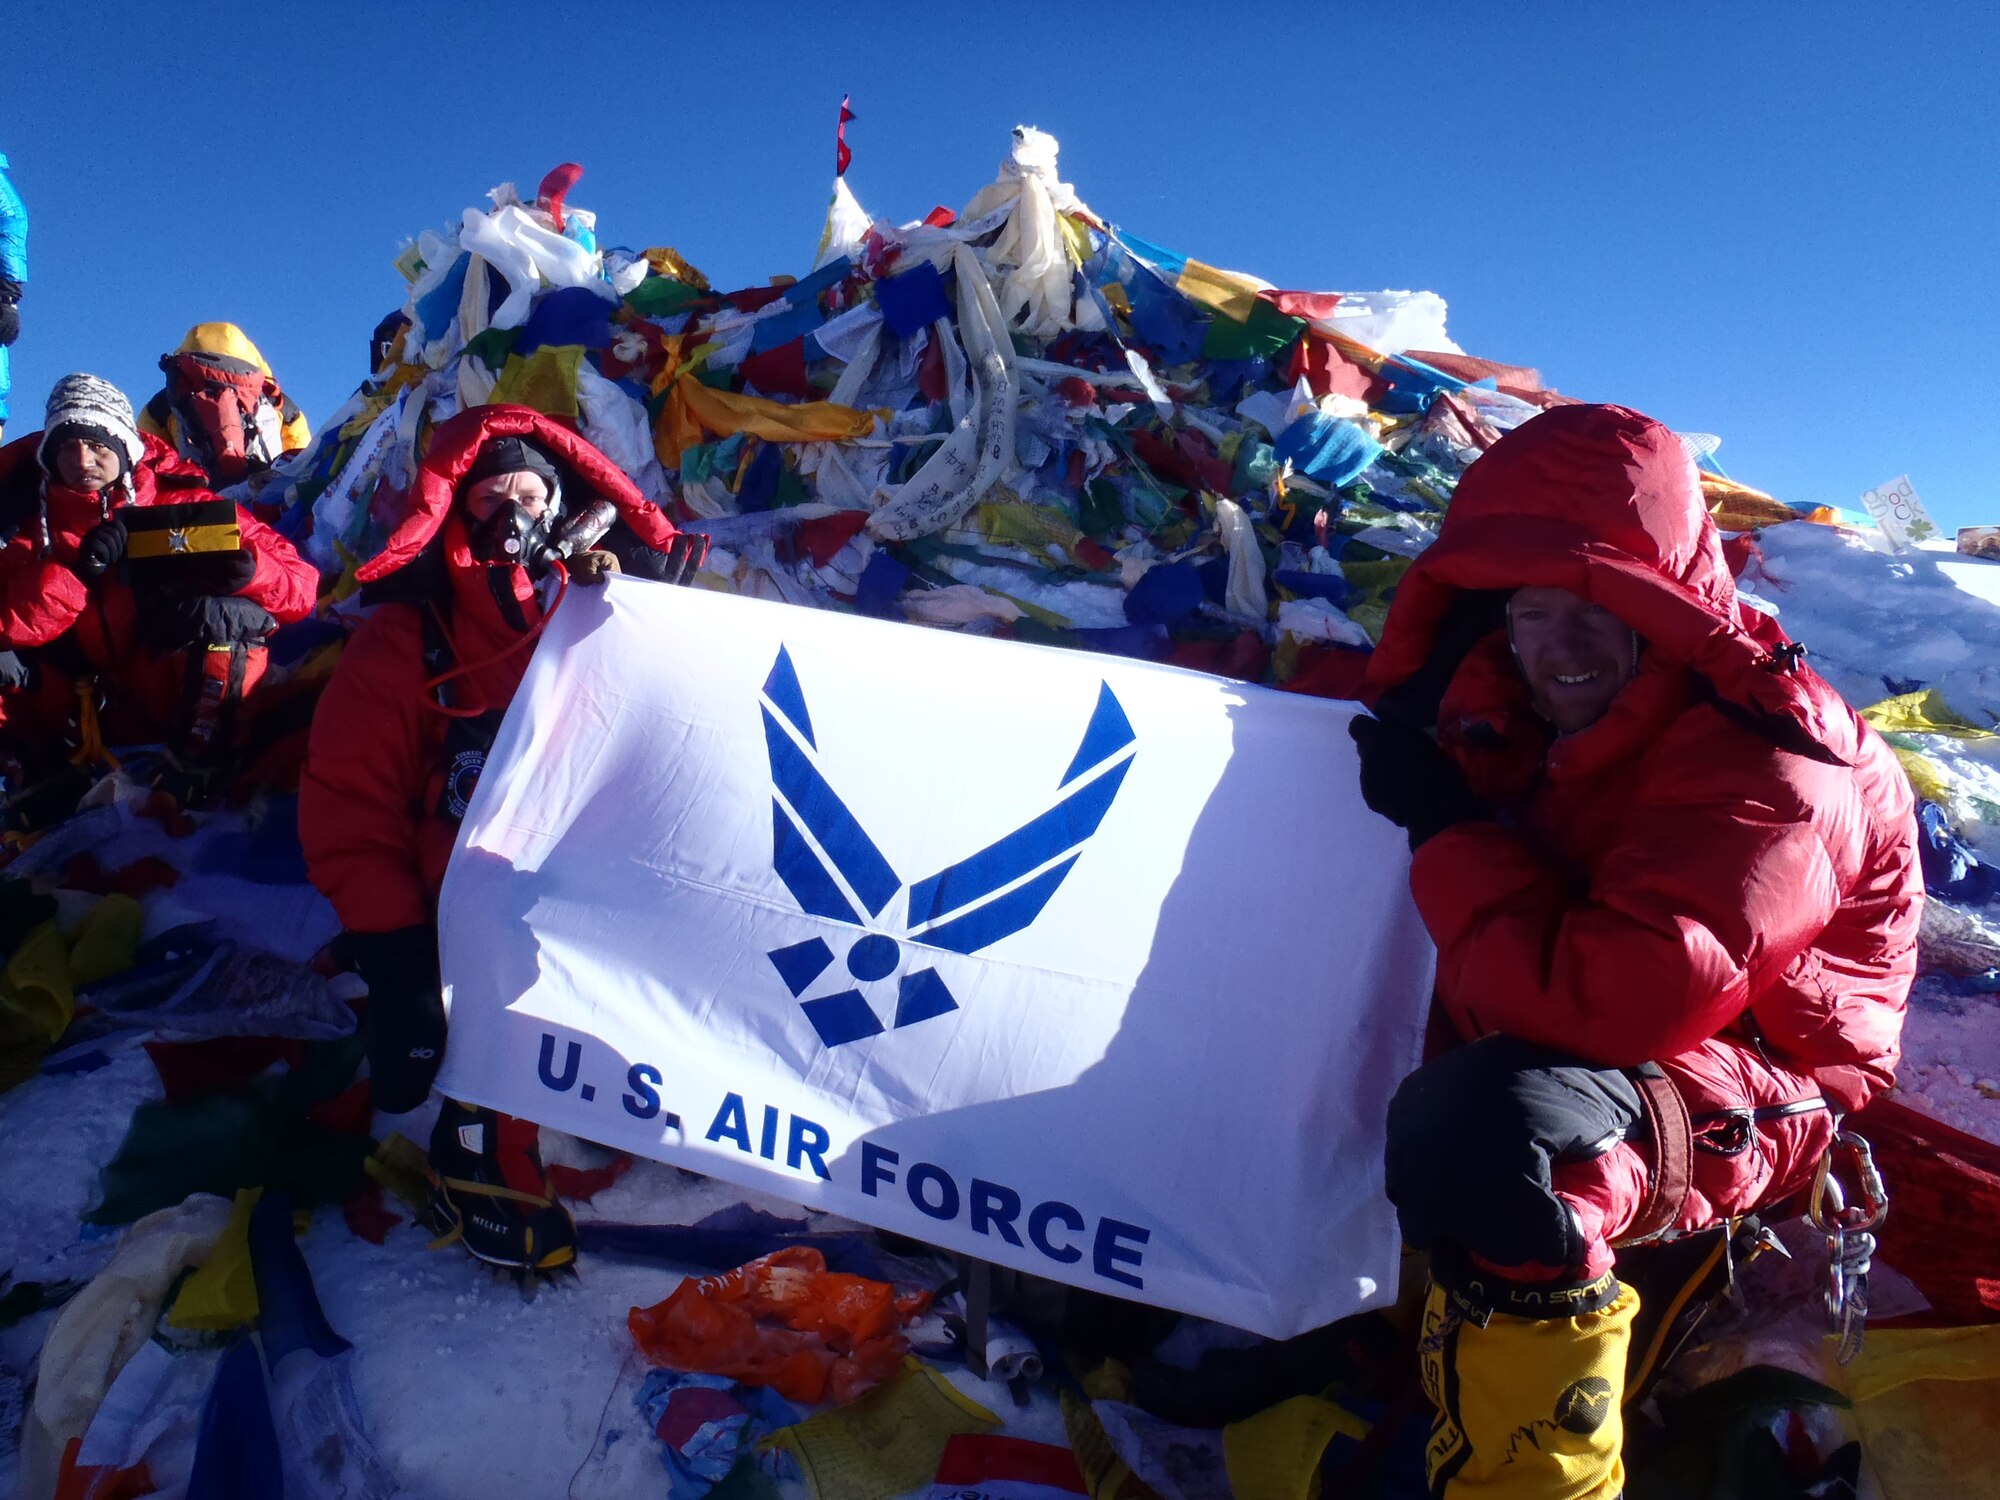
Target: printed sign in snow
x,y
1017,950
1900,514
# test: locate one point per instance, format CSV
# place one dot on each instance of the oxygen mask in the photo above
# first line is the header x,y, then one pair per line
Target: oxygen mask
x,y
514,535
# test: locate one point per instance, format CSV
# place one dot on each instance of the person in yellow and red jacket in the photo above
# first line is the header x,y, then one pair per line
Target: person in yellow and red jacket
x,y
222,407
1673,882
100,645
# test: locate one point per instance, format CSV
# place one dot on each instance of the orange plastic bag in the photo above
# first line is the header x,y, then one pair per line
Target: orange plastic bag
x,y
783,1321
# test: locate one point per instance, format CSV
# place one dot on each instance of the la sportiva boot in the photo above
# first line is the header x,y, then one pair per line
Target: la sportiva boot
x,y
1528,1408
490,1193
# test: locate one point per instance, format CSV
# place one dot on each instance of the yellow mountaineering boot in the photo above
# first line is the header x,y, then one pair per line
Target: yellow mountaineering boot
x,y
1527,1408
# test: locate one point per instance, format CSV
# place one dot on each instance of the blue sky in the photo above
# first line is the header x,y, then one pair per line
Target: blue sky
x,y
1773,221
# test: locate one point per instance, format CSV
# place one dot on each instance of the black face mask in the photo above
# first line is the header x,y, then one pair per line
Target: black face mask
x,y
513,535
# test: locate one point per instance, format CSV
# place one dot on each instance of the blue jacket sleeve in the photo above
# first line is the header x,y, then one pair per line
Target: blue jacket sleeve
x,y
13,231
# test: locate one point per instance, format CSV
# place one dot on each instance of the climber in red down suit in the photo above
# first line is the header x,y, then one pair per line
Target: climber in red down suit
x,y
460,590
115,634
1673,883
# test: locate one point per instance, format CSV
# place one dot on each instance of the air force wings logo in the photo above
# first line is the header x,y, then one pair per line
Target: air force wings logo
x,y
834,869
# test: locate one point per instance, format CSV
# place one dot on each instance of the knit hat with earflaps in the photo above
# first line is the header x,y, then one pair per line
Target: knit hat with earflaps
x,y
86,406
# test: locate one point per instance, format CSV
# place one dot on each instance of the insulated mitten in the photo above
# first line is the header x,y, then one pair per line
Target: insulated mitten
x,y
1410,781
211,575
406,1022
183,624
102,549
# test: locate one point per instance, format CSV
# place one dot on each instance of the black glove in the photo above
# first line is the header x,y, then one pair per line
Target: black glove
x,y
209,575
405,1013
677,562
1410,781
169,625
100,551
10,311
15,673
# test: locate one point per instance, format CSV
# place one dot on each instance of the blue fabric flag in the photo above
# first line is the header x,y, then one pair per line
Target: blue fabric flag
x,y
568,315
236,1446
912,299
1165,593
1329,449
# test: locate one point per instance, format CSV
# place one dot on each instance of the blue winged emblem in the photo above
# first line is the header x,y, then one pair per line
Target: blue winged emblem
x,y
835,870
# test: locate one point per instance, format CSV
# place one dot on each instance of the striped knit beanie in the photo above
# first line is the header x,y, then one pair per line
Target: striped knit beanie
x,y
86,406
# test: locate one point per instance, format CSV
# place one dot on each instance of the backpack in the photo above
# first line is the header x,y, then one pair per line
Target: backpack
x,y
232,414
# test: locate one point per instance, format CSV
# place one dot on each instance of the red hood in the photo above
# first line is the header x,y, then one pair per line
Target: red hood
x,y
455,444
1605,503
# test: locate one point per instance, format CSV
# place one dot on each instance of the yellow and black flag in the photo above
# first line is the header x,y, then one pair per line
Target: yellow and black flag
x,y
157,534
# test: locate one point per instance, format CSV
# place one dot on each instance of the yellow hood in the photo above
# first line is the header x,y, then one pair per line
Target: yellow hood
x,y
222,338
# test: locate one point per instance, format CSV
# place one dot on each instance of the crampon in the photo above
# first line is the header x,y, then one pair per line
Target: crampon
x,y
491,1194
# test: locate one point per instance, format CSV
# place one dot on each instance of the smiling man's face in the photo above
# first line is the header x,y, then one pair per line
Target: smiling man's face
x,y
1574,655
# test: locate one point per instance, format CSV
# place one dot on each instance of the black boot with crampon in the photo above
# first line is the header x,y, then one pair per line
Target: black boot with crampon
x,y
490,1193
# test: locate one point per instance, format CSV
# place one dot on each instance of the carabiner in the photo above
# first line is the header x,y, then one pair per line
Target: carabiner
x,y
1829,1209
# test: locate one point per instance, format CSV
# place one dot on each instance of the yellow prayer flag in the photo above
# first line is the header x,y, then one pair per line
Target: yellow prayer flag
x,y
222,1294
1228,292
1275,1455
725,412
667,261
1923,712
545,380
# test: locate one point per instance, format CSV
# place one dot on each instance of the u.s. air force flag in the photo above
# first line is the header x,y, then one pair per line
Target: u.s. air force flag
x,y
1089,967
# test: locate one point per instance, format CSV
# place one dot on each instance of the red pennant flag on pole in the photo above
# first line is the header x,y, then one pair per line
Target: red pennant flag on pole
x,y
841,155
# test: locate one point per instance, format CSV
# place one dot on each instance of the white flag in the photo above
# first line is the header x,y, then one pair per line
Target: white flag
x,y
1085,966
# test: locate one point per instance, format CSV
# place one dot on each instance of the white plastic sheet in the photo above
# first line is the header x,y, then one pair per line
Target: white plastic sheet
x,y
528,254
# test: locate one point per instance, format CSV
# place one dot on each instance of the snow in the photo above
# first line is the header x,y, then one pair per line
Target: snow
x,y
1951,1058
1876,624
472,1389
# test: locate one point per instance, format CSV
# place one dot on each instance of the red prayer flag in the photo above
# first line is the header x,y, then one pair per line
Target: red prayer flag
x,y
841,155
1308,305
555,187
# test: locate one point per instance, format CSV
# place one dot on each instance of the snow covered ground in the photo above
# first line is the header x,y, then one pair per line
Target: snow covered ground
x,y
1877,624
474,1390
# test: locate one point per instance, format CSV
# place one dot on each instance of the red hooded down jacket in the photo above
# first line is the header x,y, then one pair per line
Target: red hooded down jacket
x,y
1728,851
376,763
42,598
